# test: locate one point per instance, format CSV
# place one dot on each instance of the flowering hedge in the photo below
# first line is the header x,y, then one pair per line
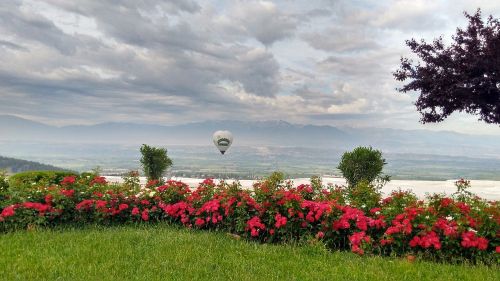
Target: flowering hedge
x,y
457,228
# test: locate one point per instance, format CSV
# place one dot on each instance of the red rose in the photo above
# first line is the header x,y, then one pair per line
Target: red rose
x,y
68,180
67,193
280,220
98,180
145,215
199,222
8,211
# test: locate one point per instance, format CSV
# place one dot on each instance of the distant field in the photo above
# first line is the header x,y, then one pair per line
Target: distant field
x,y
165,253
246,162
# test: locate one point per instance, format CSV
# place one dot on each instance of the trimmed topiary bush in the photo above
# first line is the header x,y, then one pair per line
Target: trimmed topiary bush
x,y
361,164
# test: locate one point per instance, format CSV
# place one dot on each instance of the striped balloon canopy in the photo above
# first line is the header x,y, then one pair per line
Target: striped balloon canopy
x,y
223,140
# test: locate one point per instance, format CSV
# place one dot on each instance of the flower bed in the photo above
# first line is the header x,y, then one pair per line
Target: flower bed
x,y
460,228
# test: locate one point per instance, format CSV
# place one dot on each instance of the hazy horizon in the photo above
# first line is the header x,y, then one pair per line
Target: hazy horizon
x,y
353,126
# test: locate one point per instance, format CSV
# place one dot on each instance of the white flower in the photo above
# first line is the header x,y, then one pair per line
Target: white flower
x,y
152,193
449,218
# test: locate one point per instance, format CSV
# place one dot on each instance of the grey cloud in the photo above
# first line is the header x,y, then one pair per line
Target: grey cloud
x,y
10,45
33,27
167,61
90,8
337,39
264,21
337,97
403,15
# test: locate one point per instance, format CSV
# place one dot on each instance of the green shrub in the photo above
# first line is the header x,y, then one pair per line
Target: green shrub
x,y
132,181
362,164
154,161
275,180
27,179
364,196
4,184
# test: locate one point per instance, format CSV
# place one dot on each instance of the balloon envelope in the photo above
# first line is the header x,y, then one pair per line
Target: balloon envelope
x,y
223,140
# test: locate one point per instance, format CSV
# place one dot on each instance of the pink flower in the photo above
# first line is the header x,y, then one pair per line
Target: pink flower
x,y
145,215
199,222
378,223
387,241
67,193
100,204
255,225
208,181
85,204
68,180
470,240
356,239
425,241
8,211
135,211
98,180
445,202
280,220
482,243
341,224
122,207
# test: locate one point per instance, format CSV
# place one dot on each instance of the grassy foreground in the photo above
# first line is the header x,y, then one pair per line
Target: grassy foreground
x,y
159,252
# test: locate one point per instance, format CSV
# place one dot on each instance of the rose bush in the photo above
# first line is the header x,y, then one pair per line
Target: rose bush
x,y
462,227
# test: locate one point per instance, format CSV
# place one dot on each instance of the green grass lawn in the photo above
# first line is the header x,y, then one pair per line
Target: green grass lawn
x,y
162,252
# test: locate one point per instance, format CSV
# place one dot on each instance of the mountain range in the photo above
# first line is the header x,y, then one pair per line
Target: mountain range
x,y
258,133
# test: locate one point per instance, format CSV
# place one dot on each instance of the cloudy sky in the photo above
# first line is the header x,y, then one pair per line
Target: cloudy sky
x,y
170,62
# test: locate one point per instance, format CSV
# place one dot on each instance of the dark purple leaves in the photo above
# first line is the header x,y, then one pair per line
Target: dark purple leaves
x,y
464,76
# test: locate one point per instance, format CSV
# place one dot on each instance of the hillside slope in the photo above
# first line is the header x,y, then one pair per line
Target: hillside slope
x,y
13,165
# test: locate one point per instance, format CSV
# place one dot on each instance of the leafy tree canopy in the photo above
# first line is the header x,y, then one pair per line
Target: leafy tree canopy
x,y
464,76
154,161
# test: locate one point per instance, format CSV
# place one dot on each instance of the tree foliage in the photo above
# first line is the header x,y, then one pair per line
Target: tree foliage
x,y
464,76
154,161
361,164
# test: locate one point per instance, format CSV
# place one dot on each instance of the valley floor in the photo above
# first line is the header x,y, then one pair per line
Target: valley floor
x,y
485,189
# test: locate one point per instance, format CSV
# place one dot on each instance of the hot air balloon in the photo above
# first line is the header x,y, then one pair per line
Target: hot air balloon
x,y
223,140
